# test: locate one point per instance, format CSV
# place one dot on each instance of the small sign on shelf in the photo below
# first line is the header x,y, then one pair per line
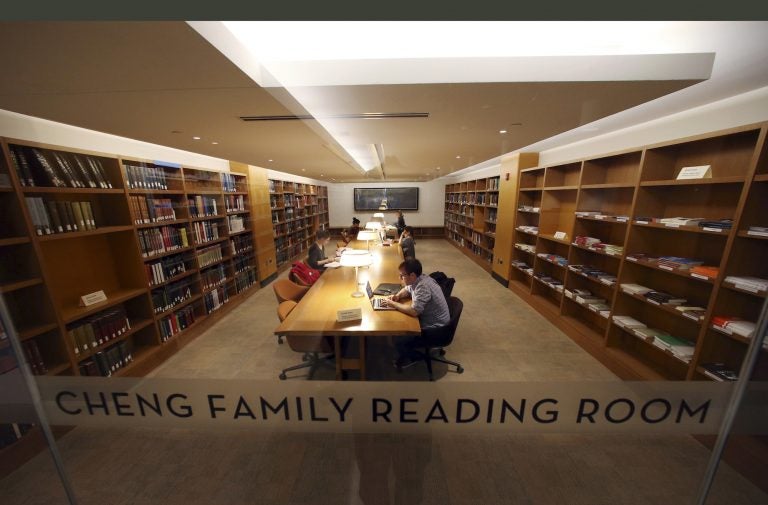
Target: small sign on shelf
x,y
560,235
93,298
698,172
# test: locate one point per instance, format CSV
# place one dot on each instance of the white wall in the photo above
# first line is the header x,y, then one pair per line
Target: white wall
x,y
274,174
431,203
19,126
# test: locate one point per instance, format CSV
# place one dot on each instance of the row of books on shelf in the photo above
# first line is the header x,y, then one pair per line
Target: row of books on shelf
x,y
160,240
732,325
202,206
177,322
680,348
244,280
167,297
164,269
692,312
205,231
598,245
56,216
146,209
526,247
213,276
236,223
242,262
33,357
215,299
522,265
596,214
209,256
695,268
58,169
587,299
241,244
529,208
595,273
107,362
98,329
142,176
234,202
228,182
716,225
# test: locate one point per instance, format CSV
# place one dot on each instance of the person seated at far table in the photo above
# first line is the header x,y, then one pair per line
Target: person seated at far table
x,y
350,234
407,243
427,303
400,222
317,256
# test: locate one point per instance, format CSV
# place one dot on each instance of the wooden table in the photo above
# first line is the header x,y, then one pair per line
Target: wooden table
x,y
316,312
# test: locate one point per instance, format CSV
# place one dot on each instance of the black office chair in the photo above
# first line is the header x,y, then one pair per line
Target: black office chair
x,y
446,283
435,339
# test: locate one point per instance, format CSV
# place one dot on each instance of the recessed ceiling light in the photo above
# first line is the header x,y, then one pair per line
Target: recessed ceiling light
x,y
458,157
195,138
438,168
270,160
322,175
502,131
303,169
214,143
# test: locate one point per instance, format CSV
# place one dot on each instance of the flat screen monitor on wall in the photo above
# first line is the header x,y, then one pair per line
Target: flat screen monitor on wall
x,y
393,198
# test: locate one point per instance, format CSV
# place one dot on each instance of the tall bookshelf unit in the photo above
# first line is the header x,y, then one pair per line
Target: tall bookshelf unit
x,y
78,222
298,211
471,211
582,284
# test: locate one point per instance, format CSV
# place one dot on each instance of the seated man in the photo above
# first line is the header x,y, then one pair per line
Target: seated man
x,y
428,304
317,257
407,244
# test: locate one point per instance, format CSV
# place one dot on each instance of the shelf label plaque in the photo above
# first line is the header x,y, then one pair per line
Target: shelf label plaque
x,y
698,172
93,298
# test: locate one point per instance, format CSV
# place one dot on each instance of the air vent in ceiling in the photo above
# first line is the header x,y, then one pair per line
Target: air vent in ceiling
x,y
362,115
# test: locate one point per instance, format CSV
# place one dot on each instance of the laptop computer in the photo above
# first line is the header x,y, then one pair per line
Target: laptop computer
x,y
387,288
376,303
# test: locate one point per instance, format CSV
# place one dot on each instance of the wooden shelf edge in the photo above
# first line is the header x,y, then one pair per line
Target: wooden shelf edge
x,y
70,314
79,234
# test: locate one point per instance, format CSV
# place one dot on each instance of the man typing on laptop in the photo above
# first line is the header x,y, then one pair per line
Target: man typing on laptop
x,y
428,304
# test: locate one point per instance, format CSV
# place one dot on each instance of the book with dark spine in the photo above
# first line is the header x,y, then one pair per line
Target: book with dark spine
x,y
85,175
78,215
43,213
22,167
53,211
88,214
63,215
53,178
71,216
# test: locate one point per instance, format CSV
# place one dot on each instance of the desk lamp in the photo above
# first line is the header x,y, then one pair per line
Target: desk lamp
x,y
357,261
367,235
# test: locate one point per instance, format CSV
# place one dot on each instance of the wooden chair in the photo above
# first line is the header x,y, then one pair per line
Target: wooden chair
x,y
287,291
309,346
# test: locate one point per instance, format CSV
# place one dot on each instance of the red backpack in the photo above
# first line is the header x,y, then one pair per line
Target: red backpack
x,y
305,273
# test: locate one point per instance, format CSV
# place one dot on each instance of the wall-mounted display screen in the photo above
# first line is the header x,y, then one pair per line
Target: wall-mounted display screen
x,y
387,198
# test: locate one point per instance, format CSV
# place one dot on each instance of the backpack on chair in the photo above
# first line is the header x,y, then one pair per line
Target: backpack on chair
x,y
305,273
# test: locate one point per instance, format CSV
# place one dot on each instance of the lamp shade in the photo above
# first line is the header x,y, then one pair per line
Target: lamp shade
x,y
372,225
356,260
369,234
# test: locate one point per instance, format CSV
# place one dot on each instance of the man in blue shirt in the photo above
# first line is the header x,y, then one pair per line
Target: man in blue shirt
x,y
428,304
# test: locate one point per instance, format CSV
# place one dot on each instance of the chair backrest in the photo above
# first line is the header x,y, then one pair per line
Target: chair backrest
x,y
285,308
443,336
295,279
287,290
446,283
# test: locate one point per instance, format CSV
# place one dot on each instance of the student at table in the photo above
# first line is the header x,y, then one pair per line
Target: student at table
x,y
427,303
407,243
317,257
350,234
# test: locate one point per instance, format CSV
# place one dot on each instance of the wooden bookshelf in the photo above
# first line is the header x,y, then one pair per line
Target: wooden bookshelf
x,y
621,199
471,215
298,211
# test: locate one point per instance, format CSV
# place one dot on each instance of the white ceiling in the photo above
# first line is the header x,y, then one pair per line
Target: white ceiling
x,y
547,84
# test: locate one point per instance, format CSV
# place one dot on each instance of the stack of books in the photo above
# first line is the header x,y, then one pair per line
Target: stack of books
x,y
647,258
674,222
526,247
610,249
603,277
716,225
628,322
677,263
751,284
680,348
549,281
734,326
662,298
522,265
692,312
705,272
533,230
719,372
587,213
634,289
758,231
553,258
587,242
528,208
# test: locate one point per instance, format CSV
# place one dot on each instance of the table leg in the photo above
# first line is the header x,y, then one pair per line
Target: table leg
x,y
362,357
339,357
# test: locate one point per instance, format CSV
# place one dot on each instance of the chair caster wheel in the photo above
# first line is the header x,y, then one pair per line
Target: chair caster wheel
x,y
283,376
459,370
441,352
279,340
